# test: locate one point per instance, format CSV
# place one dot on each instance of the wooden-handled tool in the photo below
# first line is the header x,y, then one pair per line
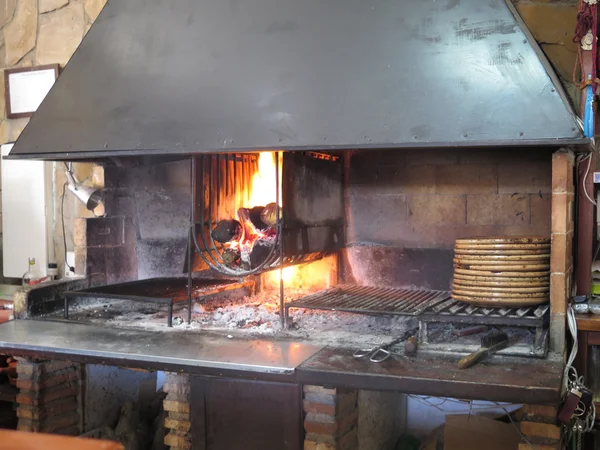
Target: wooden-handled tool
x,y
490,343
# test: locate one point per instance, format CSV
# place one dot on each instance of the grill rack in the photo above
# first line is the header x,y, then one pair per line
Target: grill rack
x,y
429,305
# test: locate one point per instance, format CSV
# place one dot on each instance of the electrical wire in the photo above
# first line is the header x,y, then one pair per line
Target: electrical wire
x,y
62,219
588,157
571,376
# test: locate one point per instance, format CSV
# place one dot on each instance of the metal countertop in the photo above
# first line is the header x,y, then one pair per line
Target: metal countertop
x,y
155,350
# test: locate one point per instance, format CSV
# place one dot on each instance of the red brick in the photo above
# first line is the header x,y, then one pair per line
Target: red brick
x,y
177,424
27,369
466,179
558,292
498,209
562,171
51,380
547,411
326,438
48,395
337,427
437,209
562,212
561,258
526,446
178,416
525,177
540,430
320,428
321,390
178,397
175,440
179,388
51,424
180,407
322,418
321,408
58,407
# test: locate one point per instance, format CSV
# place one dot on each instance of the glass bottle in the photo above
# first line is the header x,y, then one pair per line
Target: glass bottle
x,y
29,276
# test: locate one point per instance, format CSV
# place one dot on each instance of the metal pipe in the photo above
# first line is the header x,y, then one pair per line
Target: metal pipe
x,y
227,175
279,225
585,224
218,188
190,245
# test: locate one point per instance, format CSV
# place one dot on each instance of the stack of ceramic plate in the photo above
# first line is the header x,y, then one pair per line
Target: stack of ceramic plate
x,y
502,271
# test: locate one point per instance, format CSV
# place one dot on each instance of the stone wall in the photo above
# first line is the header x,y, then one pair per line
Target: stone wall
x,y
35,32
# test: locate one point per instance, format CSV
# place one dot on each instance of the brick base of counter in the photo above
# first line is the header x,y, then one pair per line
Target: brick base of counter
x,y
538,425
49,398
331,418
177,404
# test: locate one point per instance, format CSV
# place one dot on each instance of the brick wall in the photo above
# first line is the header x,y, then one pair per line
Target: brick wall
x,y
561,260
421,201
428,198
331,418
177,404
538,428
49,398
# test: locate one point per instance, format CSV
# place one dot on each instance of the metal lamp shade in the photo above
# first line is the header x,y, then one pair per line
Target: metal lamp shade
x,y
89,196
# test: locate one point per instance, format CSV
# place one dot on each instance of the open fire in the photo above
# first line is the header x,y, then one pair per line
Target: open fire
x,y
250,236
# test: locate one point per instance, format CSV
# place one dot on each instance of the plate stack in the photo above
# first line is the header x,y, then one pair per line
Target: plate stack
x,y
502,271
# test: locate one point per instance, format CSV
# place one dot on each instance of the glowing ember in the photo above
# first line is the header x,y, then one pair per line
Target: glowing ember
x,y
313,276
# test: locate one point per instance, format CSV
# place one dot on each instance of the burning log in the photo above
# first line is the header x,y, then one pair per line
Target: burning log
x,y
248,240
269,215
227,230
260,251
230,256
255,215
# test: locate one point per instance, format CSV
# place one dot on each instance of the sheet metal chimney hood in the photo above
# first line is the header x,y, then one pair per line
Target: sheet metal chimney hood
x,y
155,77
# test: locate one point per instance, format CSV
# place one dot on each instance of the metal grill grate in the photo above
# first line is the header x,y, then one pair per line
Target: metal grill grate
x,y
372,300
432,306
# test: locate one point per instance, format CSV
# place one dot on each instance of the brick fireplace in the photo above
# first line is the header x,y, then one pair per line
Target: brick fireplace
x,y
403,212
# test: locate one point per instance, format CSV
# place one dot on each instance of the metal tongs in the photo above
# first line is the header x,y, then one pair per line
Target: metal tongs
x,y
382,353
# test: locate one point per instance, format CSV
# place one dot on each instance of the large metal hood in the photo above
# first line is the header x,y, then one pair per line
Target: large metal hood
x,y
189,76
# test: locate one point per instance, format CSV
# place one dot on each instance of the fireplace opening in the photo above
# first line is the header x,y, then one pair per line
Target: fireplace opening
x,y
346,249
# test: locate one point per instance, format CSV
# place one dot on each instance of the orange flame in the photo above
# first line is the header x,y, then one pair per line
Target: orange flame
x,y
317,275
263,182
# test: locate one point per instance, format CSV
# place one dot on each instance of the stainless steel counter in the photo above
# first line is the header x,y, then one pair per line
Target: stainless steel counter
x,y
504,379
191,352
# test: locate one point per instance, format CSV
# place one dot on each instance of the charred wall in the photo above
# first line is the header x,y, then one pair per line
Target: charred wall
x,y
406,208
144,233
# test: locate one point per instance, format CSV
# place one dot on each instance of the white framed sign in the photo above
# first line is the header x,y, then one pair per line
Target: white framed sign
x,y
26,87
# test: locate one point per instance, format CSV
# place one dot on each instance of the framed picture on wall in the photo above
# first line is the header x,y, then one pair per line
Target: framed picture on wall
x,y
26,87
